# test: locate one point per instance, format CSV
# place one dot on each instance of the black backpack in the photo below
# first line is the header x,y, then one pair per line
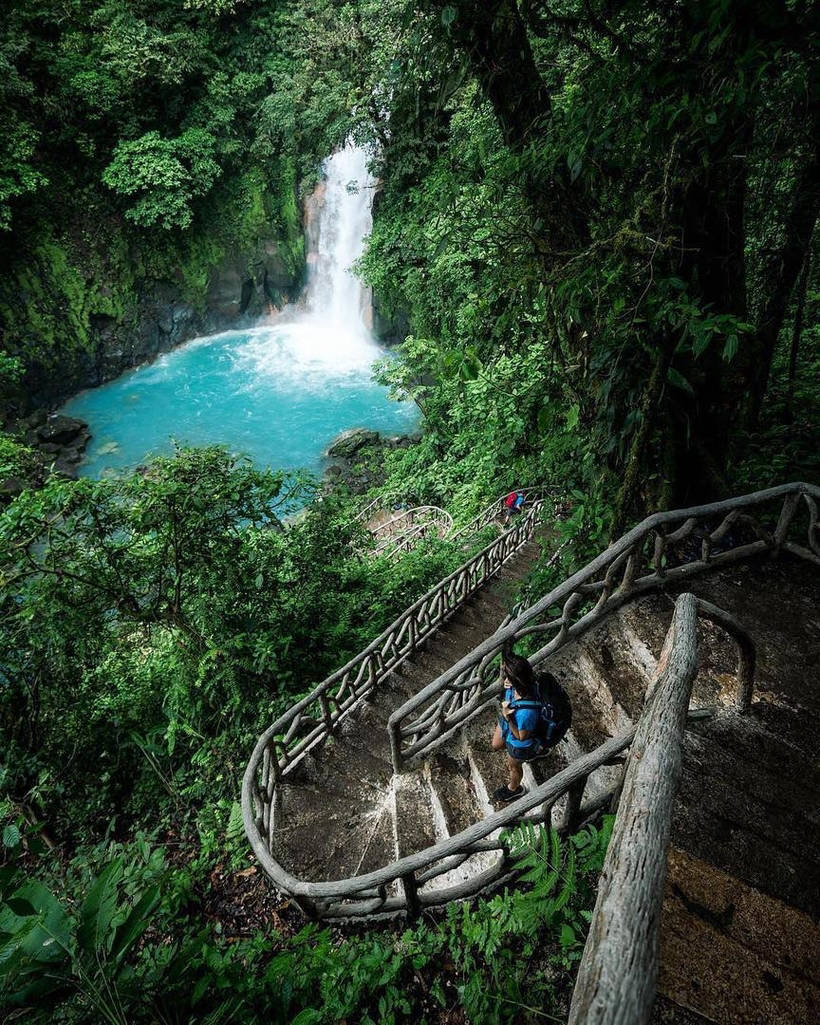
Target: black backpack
x,y
555,712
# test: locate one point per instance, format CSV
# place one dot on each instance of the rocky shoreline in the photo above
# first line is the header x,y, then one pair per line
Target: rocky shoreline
x,y
355,458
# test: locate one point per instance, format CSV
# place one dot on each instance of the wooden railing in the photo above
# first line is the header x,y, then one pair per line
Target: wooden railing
x,y
406,529
311,720
617,975
618,972
407,884
663,550
497,509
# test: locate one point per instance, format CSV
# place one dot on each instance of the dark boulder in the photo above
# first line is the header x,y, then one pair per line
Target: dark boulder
x,y
62,430
349,443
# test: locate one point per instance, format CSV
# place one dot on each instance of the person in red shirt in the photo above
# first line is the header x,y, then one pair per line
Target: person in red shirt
x,y
513,503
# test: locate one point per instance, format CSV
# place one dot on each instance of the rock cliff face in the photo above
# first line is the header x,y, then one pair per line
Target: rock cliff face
x,y
241,287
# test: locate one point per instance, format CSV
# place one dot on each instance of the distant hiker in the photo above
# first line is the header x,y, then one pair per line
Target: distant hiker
x,y
535,715
513,503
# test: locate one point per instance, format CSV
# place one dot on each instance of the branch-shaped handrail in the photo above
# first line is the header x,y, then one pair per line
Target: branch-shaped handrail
x,y
618,972
408,518
665,548
495,509
369,894
312,719
405,530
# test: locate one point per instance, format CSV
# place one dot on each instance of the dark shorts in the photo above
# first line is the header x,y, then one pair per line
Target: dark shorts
x,y
523,754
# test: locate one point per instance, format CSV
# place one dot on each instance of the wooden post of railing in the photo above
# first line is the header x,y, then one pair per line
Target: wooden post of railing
x,y
618,971
787,512
410,888
575,794
326,716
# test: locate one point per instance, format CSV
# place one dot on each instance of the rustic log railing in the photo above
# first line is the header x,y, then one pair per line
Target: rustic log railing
x,y
414,882
410,884
618,972
497,509
311,720
662,551
369,509
406,529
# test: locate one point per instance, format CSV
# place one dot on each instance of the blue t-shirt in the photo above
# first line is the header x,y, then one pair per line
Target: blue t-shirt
x,y
525,719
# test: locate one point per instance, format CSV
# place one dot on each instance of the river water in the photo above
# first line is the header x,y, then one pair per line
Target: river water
x,y
278,392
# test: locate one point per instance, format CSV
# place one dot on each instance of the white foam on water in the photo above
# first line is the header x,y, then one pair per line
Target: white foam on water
x,y
307,354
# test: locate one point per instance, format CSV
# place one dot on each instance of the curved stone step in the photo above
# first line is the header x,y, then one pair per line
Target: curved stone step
x,y
451,780
322,834
415,820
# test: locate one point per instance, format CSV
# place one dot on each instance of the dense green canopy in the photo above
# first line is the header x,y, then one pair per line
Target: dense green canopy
x,y
594,236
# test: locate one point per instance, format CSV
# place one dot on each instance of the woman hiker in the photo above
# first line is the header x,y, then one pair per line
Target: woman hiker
x,y
535,715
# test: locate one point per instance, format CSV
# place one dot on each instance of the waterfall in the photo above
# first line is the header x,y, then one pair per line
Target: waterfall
x,y
326,338
334,294
278,391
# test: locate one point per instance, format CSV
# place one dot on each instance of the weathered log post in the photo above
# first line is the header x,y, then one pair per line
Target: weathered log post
x,y
410,888
575,794
618,971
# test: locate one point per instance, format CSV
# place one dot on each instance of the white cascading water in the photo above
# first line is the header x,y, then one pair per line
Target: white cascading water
x,y
334,293
327,336
279,391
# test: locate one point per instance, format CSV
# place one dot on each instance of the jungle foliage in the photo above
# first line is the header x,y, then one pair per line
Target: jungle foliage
x,y
89,956
597,221
140,142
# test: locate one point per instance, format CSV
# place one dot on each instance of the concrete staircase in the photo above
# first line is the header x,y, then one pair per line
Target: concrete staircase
x,y
344,813
746,822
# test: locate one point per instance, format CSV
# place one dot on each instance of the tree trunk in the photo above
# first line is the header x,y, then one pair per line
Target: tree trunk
x,y
494,36
793,255
713,265
802,286
650,402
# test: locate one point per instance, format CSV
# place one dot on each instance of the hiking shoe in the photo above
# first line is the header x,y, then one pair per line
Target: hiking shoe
x,y
504,795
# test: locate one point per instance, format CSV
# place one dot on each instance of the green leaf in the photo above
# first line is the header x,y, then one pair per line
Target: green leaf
x,y
99,908
236,823
567,937
135,924
676,377
44,935
11,836
731,347
21,908
448,15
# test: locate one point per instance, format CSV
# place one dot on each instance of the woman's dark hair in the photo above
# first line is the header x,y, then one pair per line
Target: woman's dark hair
x,y
519,672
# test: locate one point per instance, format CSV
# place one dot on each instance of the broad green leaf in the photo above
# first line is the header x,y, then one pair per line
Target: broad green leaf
x,y
676,377
11,836
135,925
99,908
731,347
